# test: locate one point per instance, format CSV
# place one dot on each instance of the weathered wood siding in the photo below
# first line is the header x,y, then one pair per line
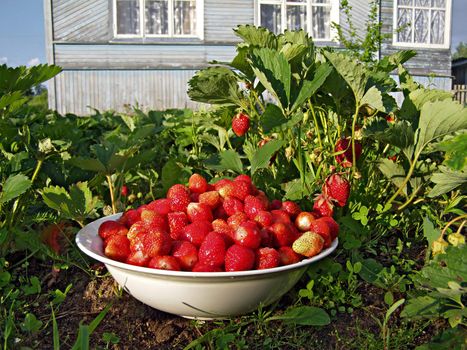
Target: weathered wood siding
x,y
77,91
436,61
358,16
82,21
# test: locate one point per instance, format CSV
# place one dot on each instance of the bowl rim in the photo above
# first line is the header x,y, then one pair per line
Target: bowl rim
x,y
91,230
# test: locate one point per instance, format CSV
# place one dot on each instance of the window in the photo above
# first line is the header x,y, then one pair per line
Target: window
x,y
314,16
158,18
422,23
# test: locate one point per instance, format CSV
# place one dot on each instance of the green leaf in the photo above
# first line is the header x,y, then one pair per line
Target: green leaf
x,y
13,187
370,270
171,174
456,151
439,119
264,154
400,134
294,190
374,99
423,306
446,180
273,71
453,339
430,232
256,36
230,160
272,118
304,316
309,88
31,324
89,164
393,172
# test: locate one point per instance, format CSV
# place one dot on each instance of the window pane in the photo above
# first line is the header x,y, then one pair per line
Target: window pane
x,y
184,17
320,22
437,27
421,26
438,3
156,12
405,2
320,2
271,17
423,3
404,19
128,17
296,17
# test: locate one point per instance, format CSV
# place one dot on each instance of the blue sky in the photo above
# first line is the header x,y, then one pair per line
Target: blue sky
x,y
22,39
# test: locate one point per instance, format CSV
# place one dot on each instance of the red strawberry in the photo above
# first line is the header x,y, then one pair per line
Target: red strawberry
x,y
179,197
267,258
244,177
275,204
117,247
237,219
137,258
337,189
186,254
197,183
241,189
282,234
206,268
177,222
240,124
111,227
239,258
288,256
333,226
199,211
196,232
322,228
291,208
232,205
136,243
253,205
227,189
212,250
194,197
129,217
165,262
303,220
219,213
124,191
280,215
263,218
151,218
247,235
156,242
137,228
344,148
266,237
160,206
220,225
323,206
221,183
211,198
308,244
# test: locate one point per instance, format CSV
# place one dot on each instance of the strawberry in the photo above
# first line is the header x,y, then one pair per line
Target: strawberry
x,y
137,228
196,232
244,177
160,206
322,228
263,218
282,234
333,226
111,227
221,183
291,208
267,258
186,254
197,184
266,237
247,235
225,188
151,218
288,256
211,198
240,124
219,213
303,220
136,243
234,221
137,258
212,250
308,244
117,247
242,189
323,206
129,217
279,215
124,191
221,226
337,189
177,222
275,204
239,258
194,197
344,149
156,242
179,197
253,205
199,267
165,262
232,205
198,212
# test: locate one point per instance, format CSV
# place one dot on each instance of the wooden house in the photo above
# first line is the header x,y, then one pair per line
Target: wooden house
x,y
117,53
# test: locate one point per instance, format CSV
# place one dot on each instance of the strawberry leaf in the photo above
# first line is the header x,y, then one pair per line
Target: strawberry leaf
x,y
226,161
456,151
446,180
13,187
304,316
393,172
374,99
264,154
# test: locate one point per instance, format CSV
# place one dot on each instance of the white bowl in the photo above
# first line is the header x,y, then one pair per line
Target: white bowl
x,y
201,295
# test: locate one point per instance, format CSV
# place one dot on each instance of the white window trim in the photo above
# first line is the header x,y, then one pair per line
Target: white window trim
x,y
199,23
334,15
447,31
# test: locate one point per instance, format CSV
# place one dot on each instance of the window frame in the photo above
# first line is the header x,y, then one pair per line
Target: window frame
x,y
333,15
142,22
447,27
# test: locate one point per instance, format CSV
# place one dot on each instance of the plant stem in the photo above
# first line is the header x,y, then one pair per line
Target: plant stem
x,y
354,122
112,199
406,180
36,170
315,121
451,222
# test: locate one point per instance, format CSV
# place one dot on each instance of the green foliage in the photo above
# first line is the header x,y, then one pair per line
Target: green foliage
x,y
461,51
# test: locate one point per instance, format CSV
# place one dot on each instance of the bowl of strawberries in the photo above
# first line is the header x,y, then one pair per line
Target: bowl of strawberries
x,y
211,251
